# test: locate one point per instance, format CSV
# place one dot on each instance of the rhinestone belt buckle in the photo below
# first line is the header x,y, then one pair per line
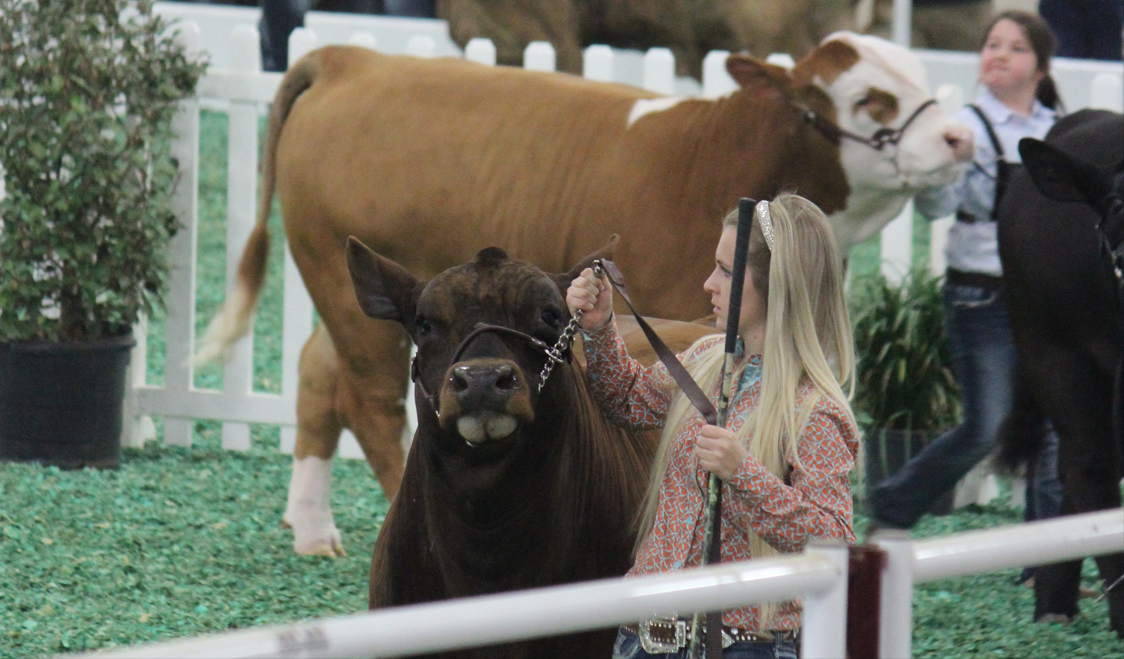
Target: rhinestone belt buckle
x,y
652,646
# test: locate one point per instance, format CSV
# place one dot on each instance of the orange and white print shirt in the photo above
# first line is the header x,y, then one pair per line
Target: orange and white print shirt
x,y
815,503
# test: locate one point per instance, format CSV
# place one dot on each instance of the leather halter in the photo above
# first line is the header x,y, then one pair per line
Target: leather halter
x,y
880,138
480,328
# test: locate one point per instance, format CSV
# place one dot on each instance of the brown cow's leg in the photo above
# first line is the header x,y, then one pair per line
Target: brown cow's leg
x,y
373,403
309,511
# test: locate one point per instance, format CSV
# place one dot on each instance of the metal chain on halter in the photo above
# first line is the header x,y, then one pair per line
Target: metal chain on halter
x,y
556,353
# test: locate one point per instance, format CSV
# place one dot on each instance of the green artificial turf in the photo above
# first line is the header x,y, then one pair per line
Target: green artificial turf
x,y
176,543
187,541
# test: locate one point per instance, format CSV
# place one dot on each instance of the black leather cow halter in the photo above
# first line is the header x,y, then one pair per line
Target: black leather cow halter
x,y
558,353
881,138
562,349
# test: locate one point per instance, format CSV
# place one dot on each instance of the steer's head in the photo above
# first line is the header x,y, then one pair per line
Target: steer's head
x,y
868,86
1064,177
480,331
875,84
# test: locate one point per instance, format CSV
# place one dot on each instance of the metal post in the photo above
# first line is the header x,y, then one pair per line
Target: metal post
x,y
902,22
895,626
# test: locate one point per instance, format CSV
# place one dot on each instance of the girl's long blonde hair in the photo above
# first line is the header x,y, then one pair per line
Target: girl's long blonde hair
x,y
808,341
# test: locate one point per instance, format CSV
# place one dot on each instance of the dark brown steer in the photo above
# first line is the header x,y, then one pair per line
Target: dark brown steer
x,y
506,486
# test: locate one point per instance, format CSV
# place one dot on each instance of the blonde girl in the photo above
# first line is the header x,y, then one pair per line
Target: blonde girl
x,y
785,458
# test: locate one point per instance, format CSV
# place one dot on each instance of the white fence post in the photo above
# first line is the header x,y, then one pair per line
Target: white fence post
x,y
783,60
825,612
895,626
301,41
481,51
897,245
296,320
716,79
136,428
364,40
1107,92
597,63
902,22
539,56
179,321
241,198
659,71
421,46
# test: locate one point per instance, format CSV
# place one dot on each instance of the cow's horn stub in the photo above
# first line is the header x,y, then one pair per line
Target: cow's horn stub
x,y
491,256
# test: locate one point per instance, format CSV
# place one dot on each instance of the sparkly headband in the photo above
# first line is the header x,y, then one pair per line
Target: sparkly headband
x,y
766,221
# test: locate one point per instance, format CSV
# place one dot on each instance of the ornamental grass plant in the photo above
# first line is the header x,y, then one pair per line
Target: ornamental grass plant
x,y
905,392
904,379
88,91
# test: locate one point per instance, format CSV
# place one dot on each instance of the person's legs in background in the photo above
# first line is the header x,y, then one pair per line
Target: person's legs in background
x,y
1085,28
983,360
414,8
278,20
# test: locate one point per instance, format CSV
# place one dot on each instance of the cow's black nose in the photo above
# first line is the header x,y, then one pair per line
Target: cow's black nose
x,y
484,387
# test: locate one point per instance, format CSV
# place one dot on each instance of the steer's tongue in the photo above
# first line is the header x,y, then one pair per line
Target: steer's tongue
x,y
477,428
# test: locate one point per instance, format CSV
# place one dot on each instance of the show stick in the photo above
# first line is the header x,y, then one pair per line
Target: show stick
x,y
712,538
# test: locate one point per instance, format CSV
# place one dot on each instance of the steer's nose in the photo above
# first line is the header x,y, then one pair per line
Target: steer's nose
x,y
959,139
484,387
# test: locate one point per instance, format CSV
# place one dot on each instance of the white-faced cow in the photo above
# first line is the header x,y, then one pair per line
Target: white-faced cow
x,y
428,161
1057,235
513,480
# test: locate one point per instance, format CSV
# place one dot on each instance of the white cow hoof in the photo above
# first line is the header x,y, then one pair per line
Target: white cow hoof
x,y
317,541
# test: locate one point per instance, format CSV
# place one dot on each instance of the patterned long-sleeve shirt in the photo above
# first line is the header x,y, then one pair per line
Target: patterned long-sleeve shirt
x,y
815,502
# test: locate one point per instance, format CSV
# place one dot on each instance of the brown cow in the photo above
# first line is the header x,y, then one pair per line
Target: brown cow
x,y
430,160
512,482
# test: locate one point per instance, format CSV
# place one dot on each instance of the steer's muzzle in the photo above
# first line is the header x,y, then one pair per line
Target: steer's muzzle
x,y
485,399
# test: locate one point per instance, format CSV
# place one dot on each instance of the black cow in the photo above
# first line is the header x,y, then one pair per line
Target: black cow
x,y
506,487
1056,233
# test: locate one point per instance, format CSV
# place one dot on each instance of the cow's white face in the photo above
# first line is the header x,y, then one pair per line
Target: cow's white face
x,y
882,90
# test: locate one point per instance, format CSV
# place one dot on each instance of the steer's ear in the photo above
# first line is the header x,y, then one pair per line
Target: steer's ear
x,y
383,288
1060,176
606,253
826,63
750,72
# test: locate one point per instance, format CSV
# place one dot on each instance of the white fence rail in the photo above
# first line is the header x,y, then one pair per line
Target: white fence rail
x,y
976,552
819,575
242,89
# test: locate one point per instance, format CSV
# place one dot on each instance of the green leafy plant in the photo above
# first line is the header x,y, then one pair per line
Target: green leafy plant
x,y
904,380
88,91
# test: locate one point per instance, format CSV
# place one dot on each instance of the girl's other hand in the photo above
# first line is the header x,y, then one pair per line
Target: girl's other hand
x,y
719,452
593,297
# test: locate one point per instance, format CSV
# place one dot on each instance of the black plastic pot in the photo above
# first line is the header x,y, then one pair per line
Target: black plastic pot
x,y
61,403
887,451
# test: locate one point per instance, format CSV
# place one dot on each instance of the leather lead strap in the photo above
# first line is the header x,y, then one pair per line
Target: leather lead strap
x,y
674,367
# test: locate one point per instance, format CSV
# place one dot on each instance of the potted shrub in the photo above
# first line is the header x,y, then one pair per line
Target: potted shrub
x,y
905,393
88,90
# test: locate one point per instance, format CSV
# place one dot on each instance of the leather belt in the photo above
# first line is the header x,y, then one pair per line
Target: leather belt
x,y
666,635
968,218
977,279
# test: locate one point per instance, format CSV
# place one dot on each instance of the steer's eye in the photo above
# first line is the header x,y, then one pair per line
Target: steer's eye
x,y
422,325
551,316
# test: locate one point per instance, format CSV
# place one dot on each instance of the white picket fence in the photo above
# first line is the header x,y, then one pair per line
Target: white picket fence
x,y
244,91
818,575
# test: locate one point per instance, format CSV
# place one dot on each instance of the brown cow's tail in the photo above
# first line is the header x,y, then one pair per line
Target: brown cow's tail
x,y
233,320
